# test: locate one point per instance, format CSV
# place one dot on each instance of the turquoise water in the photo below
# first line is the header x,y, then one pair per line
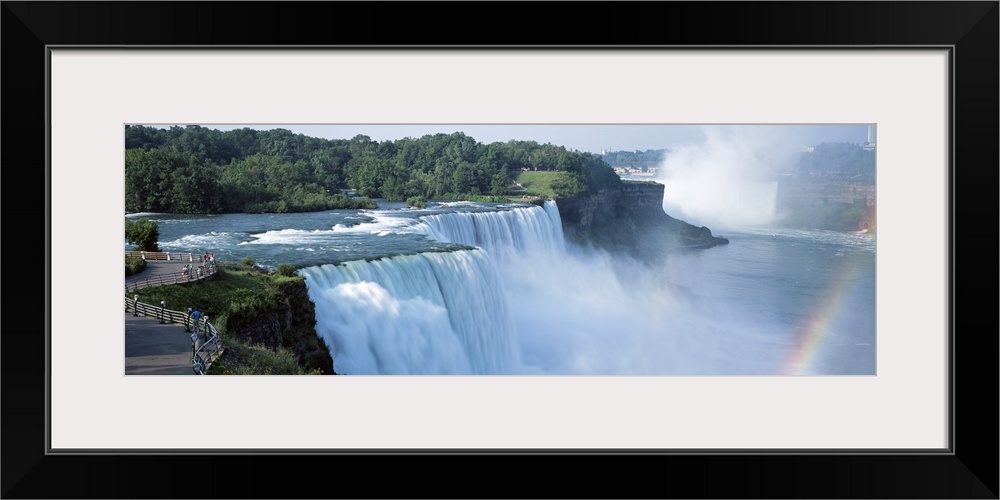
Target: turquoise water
x,y
474,288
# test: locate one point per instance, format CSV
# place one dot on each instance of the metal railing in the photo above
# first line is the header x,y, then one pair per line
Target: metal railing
x,y
197,273
205,354
202,354
178,256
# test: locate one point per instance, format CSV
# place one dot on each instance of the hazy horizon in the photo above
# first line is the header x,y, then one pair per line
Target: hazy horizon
x,y
592,138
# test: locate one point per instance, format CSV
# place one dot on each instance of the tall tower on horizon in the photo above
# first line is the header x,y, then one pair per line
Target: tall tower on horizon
x,y
869,144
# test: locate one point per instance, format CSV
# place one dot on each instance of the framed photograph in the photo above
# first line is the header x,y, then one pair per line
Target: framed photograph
x,y
919,79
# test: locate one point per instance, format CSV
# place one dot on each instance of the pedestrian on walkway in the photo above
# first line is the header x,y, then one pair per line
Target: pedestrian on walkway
x,y
195,319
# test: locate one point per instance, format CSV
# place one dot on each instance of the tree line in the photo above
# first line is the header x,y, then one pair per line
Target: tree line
x,y
193,169
838,159
653,156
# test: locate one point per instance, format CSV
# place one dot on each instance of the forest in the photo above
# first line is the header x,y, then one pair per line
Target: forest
x,y
827,159
838,159
648,157
194,169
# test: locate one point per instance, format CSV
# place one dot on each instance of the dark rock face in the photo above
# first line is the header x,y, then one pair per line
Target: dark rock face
x,y
630,219
301,323
292,325
265,330
804,192
834,204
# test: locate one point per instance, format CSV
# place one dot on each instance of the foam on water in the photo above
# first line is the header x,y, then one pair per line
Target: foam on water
x,y
503,233
214,239
430,313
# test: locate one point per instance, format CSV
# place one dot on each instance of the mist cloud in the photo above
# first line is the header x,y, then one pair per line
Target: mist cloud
x,y
730,178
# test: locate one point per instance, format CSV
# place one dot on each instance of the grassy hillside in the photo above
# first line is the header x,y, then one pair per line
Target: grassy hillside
x,y
250,308
540,183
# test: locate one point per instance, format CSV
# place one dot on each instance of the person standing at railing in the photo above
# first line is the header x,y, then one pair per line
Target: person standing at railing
x,y
195,319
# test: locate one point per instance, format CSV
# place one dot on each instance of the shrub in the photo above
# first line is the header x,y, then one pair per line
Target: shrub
x,y
286,269
143,233
250,359
134,265
483,198
416,201
247,261
247,305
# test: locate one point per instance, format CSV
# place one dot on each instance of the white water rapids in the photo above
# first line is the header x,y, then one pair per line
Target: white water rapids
x,y
433,312
523,302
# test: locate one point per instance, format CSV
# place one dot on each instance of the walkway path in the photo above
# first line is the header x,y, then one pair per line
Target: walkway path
x,y
159,268
152,348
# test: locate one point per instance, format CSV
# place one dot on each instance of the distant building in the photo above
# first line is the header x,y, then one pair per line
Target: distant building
x,y
869,144
635,171
807,149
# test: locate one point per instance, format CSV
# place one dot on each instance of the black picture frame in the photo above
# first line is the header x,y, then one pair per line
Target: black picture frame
x,y
969,471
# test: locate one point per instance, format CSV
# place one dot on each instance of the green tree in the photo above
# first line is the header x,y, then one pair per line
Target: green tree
x,y
569,186
143,233
500,183
167,180
194,169
416,201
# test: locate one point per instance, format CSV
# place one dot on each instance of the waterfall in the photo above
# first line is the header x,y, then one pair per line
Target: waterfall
x,y
721,203
433,312
430,313
504,233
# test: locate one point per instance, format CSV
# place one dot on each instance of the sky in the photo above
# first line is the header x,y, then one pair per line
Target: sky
x,y
590,138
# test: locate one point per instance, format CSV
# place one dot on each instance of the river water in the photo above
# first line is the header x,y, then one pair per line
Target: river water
x,y
486,288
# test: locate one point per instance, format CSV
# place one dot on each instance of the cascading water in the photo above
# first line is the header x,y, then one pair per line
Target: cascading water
x,y
430,313
401,302
501,233
433,312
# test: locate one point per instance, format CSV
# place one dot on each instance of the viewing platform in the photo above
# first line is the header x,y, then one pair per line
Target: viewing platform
x,y
159,341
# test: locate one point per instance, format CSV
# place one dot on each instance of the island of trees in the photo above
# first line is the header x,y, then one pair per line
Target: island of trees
x,y
194,169
636,159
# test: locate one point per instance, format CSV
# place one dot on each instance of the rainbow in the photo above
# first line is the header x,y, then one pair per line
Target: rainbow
x,y
809,335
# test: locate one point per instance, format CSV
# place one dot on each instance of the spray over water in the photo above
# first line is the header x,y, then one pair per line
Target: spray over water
x,y
729,180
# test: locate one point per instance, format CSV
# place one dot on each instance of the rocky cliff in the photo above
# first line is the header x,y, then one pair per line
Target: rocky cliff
x,y
826,203
630,219
286,317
